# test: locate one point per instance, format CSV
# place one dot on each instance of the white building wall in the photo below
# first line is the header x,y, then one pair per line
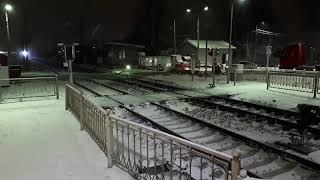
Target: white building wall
x,y
4,74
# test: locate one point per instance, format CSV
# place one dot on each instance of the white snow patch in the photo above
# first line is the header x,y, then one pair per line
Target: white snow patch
x,y
40,140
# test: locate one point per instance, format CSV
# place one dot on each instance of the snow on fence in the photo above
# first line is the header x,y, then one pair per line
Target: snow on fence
x,y
303,82
26,88
250,75
147,153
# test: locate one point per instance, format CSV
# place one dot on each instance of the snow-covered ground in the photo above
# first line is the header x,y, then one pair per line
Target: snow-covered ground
x,y
248,91
40,140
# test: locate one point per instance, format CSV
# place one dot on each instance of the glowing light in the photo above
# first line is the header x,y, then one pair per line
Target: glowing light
x,y
24,53
8,7
128,67
206,8
188,10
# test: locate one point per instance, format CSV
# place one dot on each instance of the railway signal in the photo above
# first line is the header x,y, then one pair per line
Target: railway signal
x,y
69,52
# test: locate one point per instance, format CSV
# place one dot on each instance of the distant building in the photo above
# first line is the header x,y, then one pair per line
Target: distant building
x,y
189,48
120,54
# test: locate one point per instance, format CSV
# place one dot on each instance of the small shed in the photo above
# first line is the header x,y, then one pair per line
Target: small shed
x,y
121,54
189,48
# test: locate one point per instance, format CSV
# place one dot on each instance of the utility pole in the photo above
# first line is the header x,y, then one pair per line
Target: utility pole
x,y
206,63
7,25
198,46
255,46
174,36
230,41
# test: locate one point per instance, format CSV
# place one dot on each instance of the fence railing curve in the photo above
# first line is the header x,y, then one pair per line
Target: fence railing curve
x,y
147,153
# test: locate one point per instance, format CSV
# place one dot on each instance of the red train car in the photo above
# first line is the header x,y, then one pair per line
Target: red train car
x,y
291,57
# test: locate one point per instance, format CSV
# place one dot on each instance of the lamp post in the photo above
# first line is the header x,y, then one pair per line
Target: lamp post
x,y
230,37
261,24
205,9
174,36
8,8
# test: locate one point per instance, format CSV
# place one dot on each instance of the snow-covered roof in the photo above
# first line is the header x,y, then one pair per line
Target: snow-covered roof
x,y
211,44
124,44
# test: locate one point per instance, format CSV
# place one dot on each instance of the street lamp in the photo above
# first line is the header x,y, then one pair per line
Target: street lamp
x,y
261,24
230,38
206,8
8,8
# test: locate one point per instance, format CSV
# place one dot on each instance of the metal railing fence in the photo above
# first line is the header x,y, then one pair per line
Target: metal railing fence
x,y
302,82
147,153
24,88
250,75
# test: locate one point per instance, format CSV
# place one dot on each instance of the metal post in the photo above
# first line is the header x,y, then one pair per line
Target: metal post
x,y
235,165
206,63
316,82
174,36
8,28
82,113
230,42
70,72
213,71
57,87
235,76
268,80
66,97
198,46
255,46
109,139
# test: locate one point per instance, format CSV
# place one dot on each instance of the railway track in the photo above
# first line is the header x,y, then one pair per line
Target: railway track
x,y
258,162
286,118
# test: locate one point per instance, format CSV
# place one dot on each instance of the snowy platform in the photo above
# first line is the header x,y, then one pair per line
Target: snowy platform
x,y
40,140
254,92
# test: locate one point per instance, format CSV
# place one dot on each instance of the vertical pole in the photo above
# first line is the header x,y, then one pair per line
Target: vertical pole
x,y
213,70
268,80
198,46
66,97
57,87
8,34
316,82
235,165
206,63
174,36
82,113
8,28
255,46
109,139
70,72
230,41
235,76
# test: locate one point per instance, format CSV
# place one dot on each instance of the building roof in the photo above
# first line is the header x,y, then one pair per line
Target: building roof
x,y
211,44
124,45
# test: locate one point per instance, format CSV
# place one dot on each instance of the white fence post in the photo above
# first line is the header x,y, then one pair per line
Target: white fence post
x,y
109,137
235,76
268,80
235,164
66,97
83,112
57,86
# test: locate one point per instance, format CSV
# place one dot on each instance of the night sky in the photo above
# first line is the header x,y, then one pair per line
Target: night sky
x,y
41,24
